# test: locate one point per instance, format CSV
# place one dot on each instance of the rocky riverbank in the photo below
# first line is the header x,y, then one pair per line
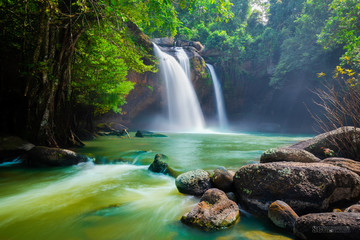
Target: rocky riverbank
x,y
299,188
29,155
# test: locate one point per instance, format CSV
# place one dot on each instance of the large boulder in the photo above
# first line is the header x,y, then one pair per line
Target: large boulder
x,y
12,147
214,212
288,155
341,141
328,226
282,215
223,179
185,44
306,187
349,164
159,165
41,156
193,182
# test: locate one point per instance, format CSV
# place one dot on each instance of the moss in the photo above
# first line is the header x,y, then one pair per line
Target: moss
x,y
270,151
247,191
285,172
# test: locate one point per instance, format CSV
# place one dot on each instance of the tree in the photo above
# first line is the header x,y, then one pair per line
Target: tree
x,y
39,39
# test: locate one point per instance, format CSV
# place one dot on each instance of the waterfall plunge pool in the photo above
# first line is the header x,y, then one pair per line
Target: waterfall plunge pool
x,y
120,198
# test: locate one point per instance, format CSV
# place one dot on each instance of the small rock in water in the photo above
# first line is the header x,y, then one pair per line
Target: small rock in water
x,y
142,134
160,166
53,157
223,179
214,212
193,182
282,215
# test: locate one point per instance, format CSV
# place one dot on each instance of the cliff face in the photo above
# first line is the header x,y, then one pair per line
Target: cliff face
x,y
147,98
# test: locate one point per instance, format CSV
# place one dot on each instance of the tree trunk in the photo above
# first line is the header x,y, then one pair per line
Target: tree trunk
x,y
49,110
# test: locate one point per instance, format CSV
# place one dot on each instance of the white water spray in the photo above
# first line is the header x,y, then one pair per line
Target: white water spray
x,y
223,121
183,105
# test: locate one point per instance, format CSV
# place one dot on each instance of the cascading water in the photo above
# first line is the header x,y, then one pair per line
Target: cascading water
x,y
183,60
223,121
183,105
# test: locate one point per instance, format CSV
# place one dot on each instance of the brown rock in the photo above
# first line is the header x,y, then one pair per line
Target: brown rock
x,y
328,226
349,164
288,155
337,140
214,212
165,42
306,187
53,157
193,182
353,208
282,215
159,165
223,179
197,45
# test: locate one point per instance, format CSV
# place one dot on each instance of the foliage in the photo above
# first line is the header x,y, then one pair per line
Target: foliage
x,y
343,27
40,40
299,48
99,75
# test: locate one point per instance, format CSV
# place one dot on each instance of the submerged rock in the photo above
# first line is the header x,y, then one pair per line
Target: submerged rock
x,y
349,164
338,141
53,157
193,182
328,226
148,134
288,155
223,179
282,215
306,187
159,165
214,212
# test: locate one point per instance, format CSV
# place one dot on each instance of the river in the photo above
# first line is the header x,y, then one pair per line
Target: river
x,y
118,198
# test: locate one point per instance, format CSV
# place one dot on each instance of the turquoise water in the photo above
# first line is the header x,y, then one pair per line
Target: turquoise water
x,y
118,198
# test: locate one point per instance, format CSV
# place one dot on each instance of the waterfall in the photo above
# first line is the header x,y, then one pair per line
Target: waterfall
x,y
223,121
184,60
182,103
